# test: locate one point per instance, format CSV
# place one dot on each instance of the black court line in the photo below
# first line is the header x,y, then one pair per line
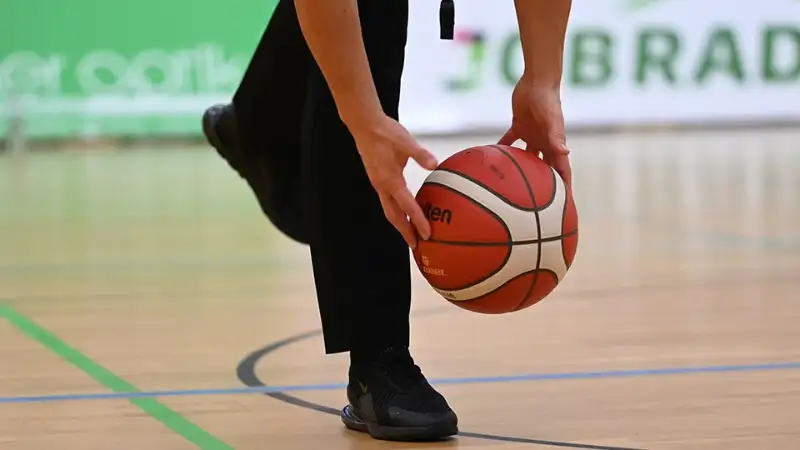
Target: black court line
x,y
246,372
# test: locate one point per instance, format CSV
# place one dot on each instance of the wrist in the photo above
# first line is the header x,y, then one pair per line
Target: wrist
x,y
542,79
360,114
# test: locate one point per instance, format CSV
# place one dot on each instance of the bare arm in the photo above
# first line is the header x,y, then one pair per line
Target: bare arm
x,y
332,30
543,28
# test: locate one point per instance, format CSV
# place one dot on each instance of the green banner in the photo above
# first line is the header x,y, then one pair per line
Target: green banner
x,y
122,68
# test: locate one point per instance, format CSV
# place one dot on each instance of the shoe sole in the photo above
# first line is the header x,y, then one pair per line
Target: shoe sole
x,y
435,432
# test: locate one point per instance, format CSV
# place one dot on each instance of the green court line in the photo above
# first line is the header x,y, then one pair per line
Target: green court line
x,y
171,419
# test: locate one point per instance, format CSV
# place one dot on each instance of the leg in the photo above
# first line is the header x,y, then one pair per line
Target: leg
x,y
361,263
259,134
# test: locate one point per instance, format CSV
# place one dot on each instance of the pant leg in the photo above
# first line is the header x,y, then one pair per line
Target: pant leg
x,y
361,263
269,105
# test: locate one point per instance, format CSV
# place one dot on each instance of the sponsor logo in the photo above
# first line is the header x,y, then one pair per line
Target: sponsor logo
x,y
436,213
644,56
431,270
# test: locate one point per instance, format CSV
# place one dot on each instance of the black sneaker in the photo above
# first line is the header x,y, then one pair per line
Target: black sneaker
x,y
391,400
219,127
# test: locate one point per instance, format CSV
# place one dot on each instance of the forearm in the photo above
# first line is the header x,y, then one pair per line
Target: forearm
x,y
543,28
332,30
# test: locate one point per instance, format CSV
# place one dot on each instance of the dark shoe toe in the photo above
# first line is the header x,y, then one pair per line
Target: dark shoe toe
x,y
402,418
211,118
277,202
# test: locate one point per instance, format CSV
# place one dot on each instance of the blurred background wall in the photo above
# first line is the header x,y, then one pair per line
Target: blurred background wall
x,y
92,69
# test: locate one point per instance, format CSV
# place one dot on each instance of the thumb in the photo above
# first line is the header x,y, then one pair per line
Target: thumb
x,y
509,138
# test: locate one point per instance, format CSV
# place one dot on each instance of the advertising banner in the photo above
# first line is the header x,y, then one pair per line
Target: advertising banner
x,y
626,62
149,68
111,68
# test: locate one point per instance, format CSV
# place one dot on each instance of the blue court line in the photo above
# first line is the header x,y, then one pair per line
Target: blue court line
x,y
441,381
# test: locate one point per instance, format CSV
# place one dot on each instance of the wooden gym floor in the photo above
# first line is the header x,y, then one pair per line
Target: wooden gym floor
x,y
146,304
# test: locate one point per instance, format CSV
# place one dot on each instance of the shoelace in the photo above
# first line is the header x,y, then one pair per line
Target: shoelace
x,y
400,366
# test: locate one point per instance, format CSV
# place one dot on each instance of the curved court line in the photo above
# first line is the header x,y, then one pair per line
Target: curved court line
x,y
246,371
531,377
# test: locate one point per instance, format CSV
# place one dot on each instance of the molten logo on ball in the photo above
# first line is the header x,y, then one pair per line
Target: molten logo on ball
x,y
436,214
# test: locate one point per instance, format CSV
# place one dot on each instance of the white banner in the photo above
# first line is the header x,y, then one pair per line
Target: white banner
x,y
626,62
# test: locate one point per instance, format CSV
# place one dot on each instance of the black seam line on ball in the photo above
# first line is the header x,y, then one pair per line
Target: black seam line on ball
x,y
575,231
493,291
503,244
499,196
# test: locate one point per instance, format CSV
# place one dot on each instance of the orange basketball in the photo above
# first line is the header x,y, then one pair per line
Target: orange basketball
x,y
504,229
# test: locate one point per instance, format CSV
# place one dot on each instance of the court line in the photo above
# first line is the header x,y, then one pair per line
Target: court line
x,y
132,393
150,406
246,372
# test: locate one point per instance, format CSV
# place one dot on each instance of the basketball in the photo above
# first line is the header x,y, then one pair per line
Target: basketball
x,y
504,229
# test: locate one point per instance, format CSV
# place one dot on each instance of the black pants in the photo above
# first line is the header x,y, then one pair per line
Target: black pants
x,y
287,117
